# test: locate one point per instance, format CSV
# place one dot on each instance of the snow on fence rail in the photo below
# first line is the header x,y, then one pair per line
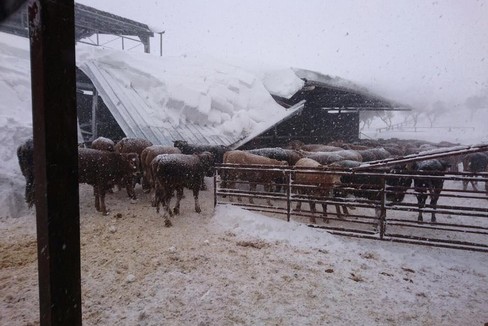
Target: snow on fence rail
x,y
462,215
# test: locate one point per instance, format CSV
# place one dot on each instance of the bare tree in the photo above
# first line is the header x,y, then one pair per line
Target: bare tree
x,y
366,117
386,117
437,109
475,103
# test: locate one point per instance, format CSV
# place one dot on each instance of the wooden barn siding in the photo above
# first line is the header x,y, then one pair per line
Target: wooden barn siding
x,y
311,126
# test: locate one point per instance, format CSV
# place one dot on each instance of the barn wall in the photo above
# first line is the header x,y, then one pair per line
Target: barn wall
x,y
311,126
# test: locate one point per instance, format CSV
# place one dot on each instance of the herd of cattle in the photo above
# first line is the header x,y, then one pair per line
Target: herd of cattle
x,y
167,170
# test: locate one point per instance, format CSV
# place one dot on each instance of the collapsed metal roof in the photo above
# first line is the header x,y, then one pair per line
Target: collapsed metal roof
x,y
128,108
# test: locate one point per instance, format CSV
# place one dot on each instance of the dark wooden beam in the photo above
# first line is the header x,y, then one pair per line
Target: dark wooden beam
x,y
51,32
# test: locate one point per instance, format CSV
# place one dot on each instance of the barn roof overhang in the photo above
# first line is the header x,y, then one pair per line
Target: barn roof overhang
x,y
330,97
88,21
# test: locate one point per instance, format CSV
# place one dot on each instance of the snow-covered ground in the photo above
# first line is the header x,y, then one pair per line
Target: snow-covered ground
x,y
225,266
228,266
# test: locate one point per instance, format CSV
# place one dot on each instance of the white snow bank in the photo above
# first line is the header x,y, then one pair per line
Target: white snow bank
x,y
244,223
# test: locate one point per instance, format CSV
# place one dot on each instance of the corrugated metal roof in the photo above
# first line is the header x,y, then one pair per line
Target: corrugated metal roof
x,y
128,108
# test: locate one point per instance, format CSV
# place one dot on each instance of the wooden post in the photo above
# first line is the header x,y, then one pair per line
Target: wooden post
x,y
288,196
52,42
161,43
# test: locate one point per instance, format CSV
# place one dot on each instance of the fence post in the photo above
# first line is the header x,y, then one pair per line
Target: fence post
x,y
382,217
215,186
288,197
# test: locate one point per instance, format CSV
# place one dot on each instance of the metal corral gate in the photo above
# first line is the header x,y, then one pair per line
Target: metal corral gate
x,y
462,215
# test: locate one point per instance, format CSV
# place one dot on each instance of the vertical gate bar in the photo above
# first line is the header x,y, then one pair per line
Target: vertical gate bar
x,y
382,216
53,82
288,197
215,186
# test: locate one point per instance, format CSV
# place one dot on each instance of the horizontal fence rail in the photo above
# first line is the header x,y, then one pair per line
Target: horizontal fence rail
x,y
362,209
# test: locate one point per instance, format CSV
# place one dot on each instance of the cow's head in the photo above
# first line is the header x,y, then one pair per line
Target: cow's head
x,y
133,164
180,143
207,160
396,187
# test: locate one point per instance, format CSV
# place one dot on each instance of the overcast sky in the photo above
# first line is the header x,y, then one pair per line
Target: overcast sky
x,y
412,49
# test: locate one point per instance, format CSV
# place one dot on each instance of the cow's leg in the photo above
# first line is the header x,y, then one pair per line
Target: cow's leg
x,y
298,206
129,185
252,188
465,185
231,185
268,188
29,190
146,183
197,204
324,209
100,198
421,199
474,183
96,194
380,216
167,201
434,197
179,196
203,185
311,203
158,195
338,210
154,200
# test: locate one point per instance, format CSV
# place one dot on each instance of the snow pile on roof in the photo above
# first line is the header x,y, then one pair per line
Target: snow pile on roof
x,y
189,89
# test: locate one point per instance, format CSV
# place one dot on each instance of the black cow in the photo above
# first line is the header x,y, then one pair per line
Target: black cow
x,y
475,163
367,186
25,155
217,150
174,172
425,186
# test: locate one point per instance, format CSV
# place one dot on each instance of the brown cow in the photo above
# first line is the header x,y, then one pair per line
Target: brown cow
x,y
317,184
25,155
132,145
104,144
102,169
254,177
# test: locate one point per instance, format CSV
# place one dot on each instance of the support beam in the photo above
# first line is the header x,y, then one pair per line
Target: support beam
x,y
52,40
94,114
146,41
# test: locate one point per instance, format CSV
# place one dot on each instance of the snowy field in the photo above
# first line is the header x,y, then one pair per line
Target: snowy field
x,y
232,267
